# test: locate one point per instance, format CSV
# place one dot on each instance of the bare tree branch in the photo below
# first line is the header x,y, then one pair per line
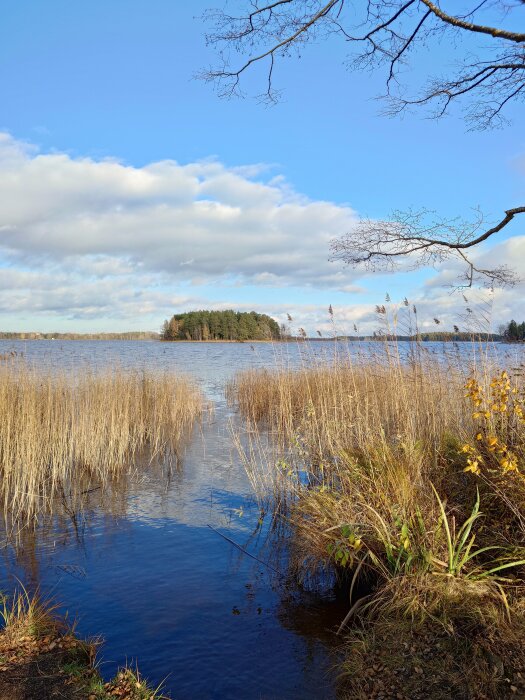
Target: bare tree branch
x,y
384,34
469,26
270,53
421,239
391,29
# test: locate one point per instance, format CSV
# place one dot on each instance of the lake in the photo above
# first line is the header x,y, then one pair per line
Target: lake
x,y
141,567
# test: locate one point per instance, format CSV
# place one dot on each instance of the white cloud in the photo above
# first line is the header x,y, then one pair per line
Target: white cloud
x,y
88,239
198,220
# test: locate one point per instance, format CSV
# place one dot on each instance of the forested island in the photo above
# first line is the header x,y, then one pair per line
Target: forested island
x,y
221,325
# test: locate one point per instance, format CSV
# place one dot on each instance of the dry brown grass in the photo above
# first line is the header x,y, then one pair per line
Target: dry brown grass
x,y
371,456
353,403
363,441
363,434
58,428
26,616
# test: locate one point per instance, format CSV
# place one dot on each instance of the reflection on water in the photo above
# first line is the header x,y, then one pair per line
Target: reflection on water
x,y
138,564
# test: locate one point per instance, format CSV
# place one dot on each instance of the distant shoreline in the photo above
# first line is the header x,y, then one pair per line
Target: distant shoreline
x,y
30,335
446,338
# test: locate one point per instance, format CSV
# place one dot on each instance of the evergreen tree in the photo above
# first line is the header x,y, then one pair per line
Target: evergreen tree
x,y
512,331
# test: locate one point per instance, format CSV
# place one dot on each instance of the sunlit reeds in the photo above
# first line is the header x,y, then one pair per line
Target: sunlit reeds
x,y
389,414
58,428
403,472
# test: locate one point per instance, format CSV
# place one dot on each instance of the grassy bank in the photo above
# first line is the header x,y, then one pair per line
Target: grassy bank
x,y
41,657
402,478
64,431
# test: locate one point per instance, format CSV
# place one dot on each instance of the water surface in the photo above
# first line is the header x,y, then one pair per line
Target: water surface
x,y
142,568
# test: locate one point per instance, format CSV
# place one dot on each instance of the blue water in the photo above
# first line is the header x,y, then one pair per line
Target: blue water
x,y
140,566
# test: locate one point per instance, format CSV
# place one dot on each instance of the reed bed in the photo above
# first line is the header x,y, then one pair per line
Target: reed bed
x,y
391,413
402,478
59,428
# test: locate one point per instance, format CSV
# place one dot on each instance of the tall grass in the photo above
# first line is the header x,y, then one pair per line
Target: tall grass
x,y
379,420
58,429
405,474
23,615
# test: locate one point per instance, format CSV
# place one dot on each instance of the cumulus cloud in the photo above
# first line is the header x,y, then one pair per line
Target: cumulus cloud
x,y
24,293
197,221
86,239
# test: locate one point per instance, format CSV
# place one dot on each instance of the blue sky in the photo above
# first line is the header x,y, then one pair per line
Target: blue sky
x,y
84,84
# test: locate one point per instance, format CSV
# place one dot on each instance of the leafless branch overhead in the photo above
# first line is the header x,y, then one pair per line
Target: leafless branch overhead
x,y
384,33
418,239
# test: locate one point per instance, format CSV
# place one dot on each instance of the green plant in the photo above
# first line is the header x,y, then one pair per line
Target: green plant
x,y
460,544
344,549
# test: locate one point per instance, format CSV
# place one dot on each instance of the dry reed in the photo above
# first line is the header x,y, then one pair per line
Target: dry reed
x,y
388,414
404,473
58,428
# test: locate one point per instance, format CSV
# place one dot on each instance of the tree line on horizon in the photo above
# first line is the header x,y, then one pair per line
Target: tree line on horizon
x,y
36,335
221,325
435,336
231,325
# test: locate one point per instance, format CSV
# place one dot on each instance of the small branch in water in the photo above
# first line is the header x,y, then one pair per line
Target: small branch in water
x,y
355,607
244,551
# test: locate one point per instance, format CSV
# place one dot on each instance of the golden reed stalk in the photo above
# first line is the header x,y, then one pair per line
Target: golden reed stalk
x,y
58,427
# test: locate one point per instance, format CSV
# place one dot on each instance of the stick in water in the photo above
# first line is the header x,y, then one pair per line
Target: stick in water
x,y
228,539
